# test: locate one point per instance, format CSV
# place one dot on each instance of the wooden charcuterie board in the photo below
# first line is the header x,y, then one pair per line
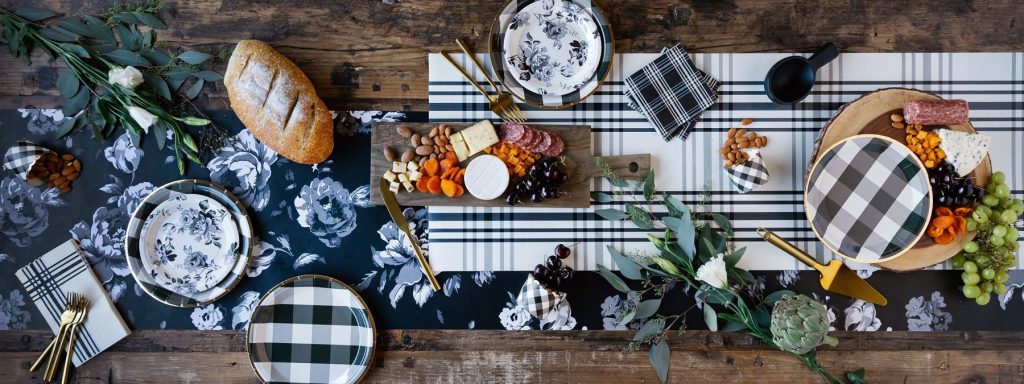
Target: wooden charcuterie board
x,y
870,114
578,157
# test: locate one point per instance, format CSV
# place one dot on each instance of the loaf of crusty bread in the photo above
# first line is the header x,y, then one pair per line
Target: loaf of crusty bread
x,y
278,104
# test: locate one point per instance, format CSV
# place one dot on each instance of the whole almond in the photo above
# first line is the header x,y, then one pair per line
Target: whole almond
x,y
67,157
73,175
896,118
408,155
764,141
433,132
425,140
731,133
438,141
746,121
731,156
447,130
415,140
433,156
448,147
744,145
424,150
405,131
728,163
898,125
389,153
66,171
730,141
77,164
740,132
723,150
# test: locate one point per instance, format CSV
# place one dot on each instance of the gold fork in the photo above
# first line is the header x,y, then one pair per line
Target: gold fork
x,y
504,106
65,319
79,319
76,309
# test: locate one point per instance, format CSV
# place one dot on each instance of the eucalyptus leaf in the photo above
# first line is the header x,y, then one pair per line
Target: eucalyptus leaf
x,y
627,317
627,267
194,90
856,376
76,49
733,258
732,326
647,308
99,29
686,234
209,75
67,84
615,281
193,57
710,317
126,57
75,25
675,204
649,329
774,297
76,103
717,296
611,214
189,142
58,34
127,17
659,355
175,83
158,85
639,216
649,186
160,134
150,20
155,56
65,128
722,221
130,38
34,14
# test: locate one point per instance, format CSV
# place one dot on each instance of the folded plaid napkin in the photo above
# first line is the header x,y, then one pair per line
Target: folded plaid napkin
x,y
536,299
671,92
749,175
21,157
48,281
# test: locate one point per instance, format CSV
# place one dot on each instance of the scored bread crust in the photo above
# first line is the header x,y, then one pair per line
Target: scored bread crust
x,y
278,103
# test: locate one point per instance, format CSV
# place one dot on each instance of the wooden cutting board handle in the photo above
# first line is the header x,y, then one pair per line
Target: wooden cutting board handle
x,y
633,167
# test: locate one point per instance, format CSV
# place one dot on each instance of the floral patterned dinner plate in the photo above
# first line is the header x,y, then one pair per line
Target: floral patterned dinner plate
x,y
189,243
134,239
552,47
528,38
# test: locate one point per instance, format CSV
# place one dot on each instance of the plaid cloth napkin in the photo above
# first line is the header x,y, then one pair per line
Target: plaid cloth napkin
x,y
50,278
536,299
21,157
749,175
671,92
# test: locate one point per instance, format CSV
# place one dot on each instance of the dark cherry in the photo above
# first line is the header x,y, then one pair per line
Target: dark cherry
x,y
536,197
562,251
553,263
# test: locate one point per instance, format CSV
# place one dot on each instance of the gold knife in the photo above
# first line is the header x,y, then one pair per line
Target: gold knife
x,y
835,277
396,215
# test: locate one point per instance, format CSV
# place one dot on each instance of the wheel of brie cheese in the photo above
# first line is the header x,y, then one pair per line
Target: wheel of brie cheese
x,y
486,177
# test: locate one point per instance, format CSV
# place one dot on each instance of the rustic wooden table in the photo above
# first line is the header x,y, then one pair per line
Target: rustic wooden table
x,y
364,54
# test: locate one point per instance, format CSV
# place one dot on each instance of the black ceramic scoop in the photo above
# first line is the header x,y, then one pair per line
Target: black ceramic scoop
x,y
791,79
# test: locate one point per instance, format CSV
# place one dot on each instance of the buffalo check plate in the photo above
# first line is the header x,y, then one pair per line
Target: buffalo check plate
x,y
868,198
311,329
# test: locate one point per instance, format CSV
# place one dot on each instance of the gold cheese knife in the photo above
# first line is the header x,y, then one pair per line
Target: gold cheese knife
x,y
835,277
396,215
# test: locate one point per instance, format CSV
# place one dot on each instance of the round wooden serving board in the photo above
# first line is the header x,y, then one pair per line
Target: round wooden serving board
x,y
870,114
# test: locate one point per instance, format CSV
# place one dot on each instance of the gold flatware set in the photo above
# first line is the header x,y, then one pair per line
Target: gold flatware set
x,y
503,105
73,316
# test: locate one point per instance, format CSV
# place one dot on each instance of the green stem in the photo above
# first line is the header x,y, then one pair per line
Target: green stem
x,y
813,364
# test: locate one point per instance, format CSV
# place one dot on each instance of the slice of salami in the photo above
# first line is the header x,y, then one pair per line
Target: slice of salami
x,y
538,136
528,134
512,132
545,142
556,148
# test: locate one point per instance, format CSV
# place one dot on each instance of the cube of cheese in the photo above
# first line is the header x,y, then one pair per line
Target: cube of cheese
x,y
390,176
398,167
403,177
394,186
413,166
479,136
408,186
414,175
456,137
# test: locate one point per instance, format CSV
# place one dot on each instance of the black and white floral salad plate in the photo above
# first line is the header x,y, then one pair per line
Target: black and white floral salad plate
x,y
551,53
193,280
552,47
189,243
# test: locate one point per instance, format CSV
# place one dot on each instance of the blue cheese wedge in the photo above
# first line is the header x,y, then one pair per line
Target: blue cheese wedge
x,y
964,150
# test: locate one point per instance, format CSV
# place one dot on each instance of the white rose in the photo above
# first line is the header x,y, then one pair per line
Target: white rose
x,y
143,117
713,272
127,77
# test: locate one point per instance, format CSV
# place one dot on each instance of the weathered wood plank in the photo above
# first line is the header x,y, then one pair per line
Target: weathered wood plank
x,y
553,357
371,55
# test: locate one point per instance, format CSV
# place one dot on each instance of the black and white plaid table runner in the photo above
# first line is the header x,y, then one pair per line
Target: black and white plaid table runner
x,y
507,239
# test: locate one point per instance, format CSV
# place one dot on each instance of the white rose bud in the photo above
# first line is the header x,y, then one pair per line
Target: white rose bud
x,y
713,272
127,77
143,117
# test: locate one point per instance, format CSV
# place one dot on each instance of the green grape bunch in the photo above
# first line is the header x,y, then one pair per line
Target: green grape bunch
x,y
986,260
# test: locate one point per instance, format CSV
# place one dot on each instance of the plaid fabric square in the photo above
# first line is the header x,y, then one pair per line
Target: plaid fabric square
x,y
311,329
536,299
671,93
750,175
21,157
868,198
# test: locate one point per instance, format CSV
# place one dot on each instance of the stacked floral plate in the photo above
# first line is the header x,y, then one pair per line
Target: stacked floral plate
x,y
551,53
188,243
